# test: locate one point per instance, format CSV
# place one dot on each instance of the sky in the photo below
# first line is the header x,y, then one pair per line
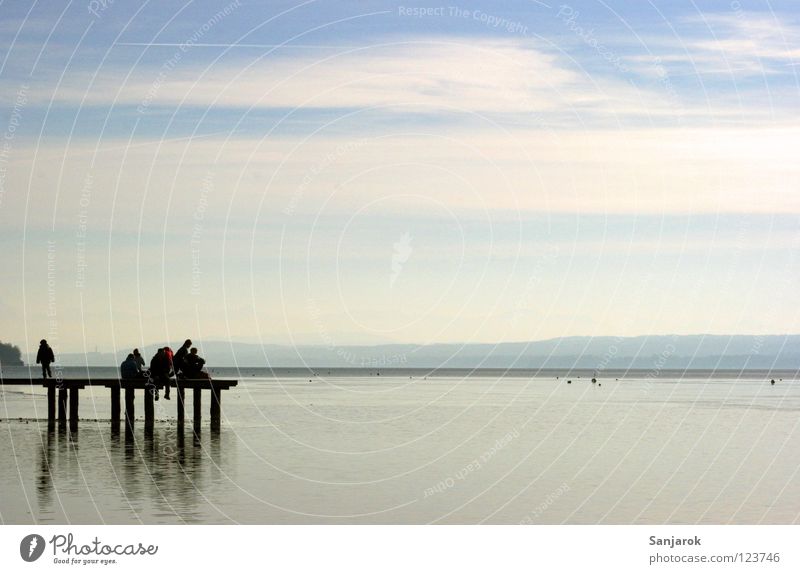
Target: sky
x,y
371,172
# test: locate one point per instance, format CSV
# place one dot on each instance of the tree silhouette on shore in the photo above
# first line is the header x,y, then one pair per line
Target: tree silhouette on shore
x,y
10,355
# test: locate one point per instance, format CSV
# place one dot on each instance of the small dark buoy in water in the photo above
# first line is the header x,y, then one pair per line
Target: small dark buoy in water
x,y
772,381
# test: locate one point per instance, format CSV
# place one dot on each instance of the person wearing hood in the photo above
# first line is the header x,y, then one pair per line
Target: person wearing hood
x,y
45,356
129,369
179,360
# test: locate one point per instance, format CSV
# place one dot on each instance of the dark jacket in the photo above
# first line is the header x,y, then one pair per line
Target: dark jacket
x,y
45,355
193,365
160,365
129,369
179,360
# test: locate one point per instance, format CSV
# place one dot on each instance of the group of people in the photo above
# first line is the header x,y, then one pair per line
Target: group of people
x,y
184,363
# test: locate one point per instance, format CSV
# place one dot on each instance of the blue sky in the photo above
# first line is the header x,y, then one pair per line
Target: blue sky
x,y
355,172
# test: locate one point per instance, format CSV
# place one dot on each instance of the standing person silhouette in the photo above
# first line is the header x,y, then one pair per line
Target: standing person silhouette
x,y
45,356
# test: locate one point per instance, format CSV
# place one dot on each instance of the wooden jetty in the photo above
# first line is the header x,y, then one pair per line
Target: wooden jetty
x,y
63,397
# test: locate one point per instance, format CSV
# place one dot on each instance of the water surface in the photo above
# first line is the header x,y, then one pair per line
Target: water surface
x,y
405,448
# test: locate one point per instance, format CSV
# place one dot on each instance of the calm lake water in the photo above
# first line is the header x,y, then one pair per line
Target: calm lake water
x,y
402,448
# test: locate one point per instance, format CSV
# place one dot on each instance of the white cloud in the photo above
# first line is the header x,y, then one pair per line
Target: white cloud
x,y
484,76
513,78
737,44
705,170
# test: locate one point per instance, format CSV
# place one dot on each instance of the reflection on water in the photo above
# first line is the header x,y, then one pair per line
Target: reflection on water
x,y
166,472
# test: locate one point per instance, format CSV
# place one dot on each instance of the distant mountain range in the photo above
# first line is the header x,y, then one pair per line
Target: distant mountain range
x,y
660,352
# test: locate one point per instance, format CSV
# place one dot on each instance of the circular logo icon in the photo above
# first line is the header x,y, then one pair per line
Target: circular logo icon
x,y
31,548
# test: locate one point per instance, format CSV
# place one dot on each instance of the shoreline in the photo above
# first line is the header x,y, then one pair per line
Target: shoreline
x,y
245,373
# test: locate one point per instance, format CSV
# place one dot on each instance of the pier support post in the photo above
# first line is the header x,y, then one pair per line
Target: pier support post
x,y
149,417
73,408
197,402
216,400
51,401
115,411
130,411
181,403
62,404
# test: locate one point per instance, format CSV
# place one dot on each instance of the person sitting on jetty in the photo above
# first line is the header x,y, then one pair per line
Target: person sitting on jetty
x,y
170,370
193,366
161,370
179,360
45,356
137,356
129,369
169,354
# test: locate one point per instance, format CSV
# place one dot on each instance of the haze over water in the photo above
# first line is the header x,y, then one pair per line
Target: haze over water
x,y
401,448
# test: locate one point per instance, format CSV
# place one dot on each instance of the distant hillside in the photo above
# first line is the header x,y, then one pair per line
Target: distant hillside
x,y
10,355
597,353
